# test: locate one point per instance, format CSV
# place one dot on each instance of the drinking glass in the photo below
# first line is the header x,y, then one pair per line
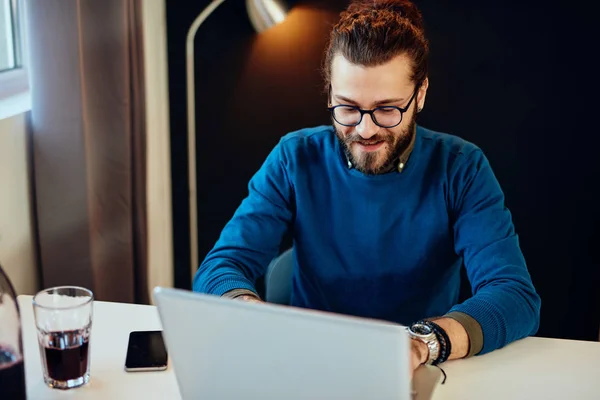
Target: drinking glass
x,y
63,317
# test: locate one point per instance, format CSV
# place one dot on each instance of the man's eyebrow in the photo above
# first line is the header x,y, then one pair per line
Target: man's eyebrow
x,y
377,103
389,101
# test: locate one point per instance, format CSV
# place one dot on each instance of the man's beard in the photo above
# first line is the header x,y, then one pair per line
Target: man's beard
x,y
370,162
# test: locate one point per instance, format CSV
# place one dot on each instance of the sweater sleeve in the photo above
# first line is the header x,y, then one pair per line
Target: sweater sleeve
x,y
504,300
251,239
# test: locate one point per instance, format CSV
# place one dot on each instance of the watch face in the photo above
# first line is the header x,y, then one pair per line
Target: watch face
x,y
421,329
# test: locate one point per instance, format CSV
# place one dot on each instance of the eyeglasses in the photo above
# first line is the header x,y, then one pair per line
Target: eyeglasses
x,y
383,116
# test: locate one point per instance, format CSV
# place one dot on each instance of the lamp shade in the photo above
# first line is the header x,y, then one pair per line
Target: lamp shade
x,y
265,14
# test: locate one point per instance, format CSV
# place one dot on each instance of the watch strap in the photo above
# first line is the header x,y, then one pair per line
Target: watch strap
x,y
445,345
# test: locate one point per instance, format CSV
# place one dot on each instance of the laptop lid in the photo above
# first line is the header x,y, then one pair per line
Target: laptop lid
x,y
230,349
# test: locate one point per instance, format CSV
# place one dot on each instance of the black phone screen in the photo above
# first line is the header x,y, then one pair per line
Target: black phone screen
x,y
146,351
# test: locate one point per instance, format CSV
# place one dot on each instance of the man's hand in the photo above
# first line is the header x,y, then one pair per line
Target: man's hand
x,y
249,298
419,353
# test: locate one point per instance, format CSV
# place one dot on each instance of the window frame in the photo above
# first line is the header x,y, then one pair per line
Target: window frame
x,y
15,97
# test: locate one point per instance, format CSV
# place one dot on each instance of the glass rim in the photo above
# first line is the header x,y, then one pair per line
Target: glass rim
x,y
36,304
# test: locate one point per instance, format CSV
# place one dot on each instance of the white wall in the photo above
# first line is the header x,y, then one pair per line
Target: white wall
x,y
158,166
17,249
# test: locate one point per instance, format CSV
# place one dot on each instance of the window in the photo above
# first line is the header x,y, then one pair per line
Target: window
x,y
10,51
14,82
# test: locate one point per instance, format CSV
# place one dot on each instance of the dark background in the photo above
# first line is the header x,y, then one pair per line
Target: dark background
x,y
513,77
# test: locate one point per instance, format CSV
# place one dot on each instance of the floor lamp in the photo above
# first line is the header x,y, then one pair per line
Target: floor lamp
x,y
263,14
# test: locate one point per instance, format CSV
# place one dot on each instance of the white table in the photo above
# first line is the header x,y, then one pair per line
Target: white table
x,y
533,368
111,325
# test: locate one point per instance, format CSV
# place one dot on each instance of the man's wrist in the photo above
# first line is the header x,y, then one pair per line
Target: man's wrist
x,y
237,293
249,297
457,335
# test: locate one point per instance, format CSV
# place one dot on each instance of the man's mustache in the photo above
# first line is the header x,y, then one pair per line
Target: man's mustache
x,y
356,138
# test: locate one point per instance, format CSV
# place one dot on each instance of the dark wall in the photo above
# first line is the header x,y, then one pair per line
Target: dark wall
x,y
250,90
511,77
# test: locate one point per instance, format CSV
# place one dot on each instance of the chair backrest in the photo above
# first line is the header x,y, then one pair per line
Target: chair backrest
x,y
278,279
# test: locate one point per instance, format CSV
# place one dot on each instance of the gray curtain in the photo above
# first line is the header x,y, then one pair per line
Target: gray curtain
x,y
88,145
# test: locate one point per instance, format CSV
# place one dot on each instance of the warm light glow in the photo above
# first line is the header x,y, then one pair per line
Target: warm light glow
x,y
275,11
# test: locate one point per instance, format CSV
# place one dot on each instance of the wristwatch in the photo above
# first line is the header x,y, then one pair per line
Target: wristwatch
x,y
424,332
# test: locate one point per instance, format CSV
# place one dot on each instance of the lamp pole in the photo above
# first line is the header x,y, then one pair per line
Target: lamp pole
x,y
263,14
191,133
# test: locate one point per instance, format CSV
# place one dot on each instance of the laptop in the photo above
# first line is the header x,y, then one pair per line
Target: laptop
x,y
231,349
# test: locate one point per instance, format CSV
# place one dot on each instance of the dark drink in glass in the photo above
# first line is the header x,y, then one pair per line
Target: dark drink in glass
x,y
65,354
12,376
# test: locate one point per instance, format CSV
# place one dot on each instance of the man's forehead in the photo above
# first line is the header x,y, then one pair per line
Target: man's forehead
x,y
395,73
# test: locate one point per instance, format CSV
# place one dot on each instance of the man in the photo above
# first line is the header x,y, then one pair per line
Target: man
x,y
383,212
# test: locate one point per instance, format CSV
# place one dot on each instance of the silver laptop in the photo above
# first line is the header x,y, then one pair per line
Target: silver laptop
x,y
230,349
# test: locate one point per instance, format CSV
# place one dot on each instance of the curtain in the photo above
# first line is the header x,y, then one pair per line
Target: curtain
x,y
88,135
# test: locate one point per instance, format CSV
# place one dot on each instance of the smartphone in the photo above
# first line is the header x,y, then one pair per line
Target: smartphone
x,y
146,351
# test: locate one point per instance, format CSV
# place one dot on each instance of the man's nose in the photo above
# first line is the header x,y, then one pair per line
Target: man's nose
x,y
367,127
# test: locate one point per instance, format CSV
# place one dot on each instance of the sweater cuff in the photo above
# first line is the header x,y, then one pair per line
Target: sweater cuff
x,y
228,284
232,294
473,329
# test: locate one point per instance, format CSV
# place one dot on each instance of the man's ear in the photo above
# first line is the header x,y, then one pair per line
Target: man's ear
x,y
422,94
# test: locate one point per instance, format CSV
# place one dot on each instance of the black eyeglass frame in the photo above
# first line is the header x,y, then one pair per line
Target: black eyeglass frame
x,y
371,112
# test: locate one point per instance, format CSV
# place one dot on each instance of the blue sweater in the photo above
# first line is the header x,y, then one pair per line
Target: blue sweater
x,y
384,246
